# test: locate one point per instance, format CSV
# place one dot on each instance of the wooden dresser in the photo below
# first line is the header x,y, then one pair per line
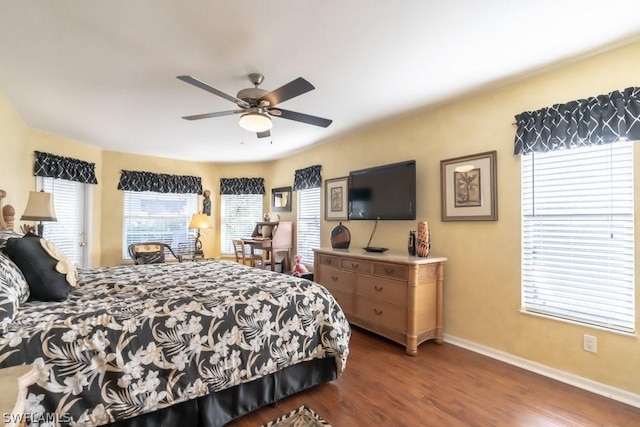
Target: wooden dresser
x,y
394,295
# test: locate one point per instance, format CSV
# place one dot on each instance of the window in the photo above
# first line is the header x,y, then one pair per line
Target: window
x,y
158,217
240,212
308,223
68,232
578,235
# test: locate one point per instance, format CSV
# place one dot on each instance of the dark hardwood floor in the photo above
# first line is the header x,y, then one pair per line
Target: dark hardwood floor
x,y
444,385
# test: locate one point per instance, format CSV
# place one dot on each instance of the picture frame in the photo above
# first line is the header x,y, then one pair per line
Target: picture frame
x,y
281,199
336,199
469,188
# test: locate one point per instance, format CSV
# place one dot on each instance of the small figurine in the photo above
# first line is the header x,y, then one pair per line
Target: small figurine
x,y
299,269
206,203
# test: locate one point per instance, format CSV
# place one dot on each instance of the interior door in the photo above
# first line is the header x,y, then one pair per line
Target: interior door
x,y
70,231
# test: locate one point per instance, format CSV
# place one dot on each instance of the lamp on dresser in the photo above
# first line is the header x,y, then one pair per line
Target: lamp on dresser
x,y
39,208
199,221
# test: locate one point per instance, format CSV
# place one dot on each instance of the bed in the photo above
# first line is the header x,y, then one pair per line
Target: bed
x,y
196,343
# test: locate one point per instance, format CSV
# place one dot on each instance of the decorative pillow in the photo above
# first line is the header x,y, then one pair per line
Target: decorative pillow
x,y
13,291
48,272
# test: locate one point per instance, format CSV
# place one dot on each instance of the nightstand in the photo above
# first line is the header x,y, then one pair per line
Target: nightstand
x,y
13,393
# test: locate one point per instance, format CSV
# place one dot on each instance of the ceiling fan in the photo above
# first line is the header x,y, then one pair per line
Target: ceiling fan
x,y
257,106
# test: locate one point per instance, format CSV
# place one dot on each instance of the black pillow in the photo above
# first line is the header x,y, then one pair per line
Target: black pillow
x,y
39,268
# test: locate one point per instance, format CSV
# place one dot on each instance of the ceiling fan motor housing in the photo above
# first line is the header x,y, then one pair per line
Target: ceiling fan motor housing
x,y
251,95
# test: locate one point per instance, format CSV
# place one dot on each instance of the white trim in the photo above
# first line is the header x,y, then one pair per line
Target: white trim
x,y
565,377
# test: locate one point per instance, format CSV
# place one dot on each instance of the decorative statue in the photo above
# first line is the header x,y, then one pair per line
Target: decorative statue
x,y
206,203
299,269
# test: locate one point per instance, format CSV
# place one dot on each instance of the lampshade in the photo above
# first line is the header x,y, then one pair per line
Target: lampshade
x,y
39,207
255,122
199,221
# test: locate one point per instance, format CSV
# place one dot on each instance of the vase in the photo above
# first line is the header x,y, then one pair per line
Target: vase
x,y
411,246
423,240
340,237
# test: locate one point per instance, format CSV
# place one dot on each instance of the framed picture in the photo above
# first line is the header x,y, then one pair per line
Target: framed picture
x,y
281,199
336,199
468,188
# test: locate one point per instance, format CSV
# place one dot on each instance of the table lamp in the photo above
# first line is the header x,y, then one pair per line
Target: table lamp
x,y
199,221
39,208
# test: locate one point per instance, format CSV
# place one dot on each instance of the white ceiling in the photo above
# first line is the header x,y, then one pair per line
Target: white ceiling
x,y
104,72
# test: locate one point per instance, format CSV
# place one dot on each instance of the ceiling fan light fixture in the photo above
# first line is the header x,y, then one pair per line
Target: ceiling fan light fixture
x,y
255,122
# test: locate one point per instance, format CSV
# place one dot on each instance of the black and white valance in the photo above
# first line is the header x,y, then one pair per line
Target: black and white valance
x,y
159,182
306,178
242,186
52,166
593,121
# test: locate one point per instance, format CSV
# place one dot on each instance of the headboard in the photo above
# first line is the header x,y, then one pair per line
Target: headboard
x,y
8,214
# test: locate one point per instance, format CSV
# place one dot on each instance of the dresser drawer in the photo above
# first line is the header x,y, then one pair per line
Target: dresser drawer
x,y
392,271
345,300
356,265
331,261
337,279
380,289
388,316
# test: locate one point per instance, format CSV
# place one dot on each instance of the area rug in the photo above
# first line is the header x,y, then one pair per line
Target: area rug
x,y
301,417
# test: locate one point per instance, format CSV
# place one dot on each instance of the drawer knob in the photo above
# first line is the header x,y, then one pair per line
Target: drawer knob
x,y
334,278
354,265
377,312
378,288
327,261
389,270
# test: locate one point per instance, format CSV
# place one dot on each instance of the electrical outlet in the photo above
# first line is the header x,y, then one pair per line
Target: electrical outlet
x,y
589,343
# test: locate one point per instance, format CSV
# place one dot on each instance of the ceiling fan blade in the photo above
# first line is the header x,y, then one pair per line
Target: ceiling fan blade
x,y
304,118
290,90
210,115
202,85
265,134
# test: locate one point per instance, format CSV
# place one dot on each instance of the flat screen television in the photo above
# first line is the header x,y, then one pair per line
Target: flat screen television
x,y
383,192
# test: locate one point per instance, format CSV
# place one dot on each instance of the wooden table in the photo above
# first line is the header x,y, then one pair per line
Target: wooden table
x,y
13,392
267,250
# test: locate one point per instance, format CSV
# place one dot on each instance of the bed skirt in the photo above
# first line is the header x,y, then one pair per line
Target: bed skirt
x,y
220,408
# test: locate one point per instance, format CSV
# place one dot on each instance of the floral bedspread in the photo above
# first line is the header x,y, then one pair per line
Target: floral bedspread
x,y
129,340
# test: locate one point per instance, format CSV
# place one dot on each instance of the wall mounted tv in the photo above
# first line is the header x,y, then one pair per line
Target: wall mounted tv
x,y
383,192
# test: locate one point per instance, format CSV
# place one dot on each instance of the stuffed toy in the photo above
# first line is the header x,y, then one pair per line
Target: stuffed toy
x,y
299,269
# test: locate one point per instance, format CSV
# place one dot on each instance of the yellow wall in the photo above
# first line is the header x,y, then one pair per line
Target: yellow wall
x,y
17,144
482,285
112,199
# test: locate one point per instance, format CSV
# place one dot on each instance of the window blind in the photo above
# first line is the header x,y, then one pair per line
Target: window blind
x,y
308,227
578,235
158,217
67,231
239,214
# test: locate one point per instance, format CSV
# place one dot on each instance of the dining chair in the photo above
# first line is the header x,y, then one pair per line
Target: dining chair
x,y
246,255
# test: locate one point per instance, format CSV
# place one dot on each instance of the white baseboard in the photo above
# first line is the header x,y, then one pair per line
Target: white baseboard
x,y
565,377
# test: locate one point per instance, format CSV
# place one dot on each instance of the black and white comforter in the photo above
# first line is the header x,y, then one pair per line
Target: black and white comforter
x,y
133,339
